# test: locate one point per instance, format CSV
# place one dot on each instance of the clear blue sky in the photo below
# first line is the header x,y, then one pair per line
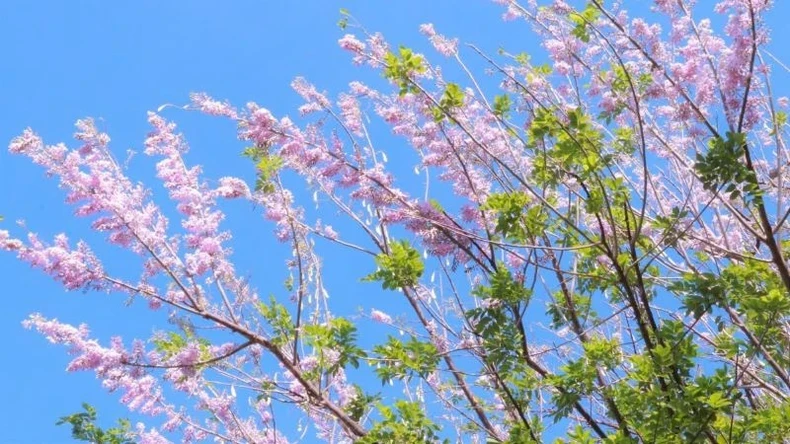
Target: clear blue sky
x,y
117,60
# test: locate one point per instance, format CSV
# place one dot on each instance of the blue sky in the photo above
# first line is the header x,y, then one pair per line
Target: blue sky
x,y
117,60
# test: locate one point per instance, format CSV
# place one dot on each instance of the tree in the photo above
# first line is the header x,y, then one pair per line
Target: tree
x,y
611,266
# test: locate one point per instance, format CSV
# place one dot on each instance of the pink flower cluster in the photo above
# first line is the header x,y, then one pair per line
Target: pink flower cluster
x,y
140,390
74,268
446,47
194,199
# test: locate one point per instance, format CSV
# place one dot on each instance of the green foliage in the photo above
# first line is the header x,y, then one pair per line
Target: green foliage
x,y
170,345
582,20
266,165
579,435
401,268
562,311
755,292
339,335
701,291
671,225
84,428
543,70
279,319
397,359
452,98
603,352
502,287
577,149
493,321
676,351
721,167
780,120
502,106
344,15
577,379
622,83
494,326
677,415
522,58
515,220
509,208
400,68
362,402
519,434
611,189
623,80
769,424
623,142
406,423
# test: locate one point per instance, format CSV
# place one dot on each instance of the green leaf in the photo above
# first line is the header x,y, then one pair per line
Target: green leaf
x,y
582,20
401,268
279,318
401,67
84,428
502,106
721,167
718,401
452,98
510,208
407,423
399,360
340,336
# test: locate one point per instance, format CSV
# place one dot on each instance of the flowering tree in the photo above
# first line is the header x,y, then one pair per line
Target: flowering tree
x,y
611,267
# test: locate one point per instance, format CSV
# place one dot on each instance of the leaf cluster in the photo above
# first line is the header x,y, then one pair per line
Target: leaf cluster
x,y
401,268
400,68
84,428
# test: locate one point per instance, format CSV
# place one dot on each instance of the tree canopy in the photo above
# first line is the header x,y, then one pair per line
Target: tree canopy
x,y
603,258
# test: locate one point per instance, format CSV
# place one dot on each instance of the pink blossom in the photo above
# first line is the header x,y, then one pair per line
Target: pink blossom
x,y
308,363
25,143
220,406
212,107
512,13
442,44
74,268
378,48
151,436
438,339
315,100
140,391
352,116
330,233
7,243
514,261
360,89
232,187
259,126
93,178
195,202
56,332
427,29
380,316
349,42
